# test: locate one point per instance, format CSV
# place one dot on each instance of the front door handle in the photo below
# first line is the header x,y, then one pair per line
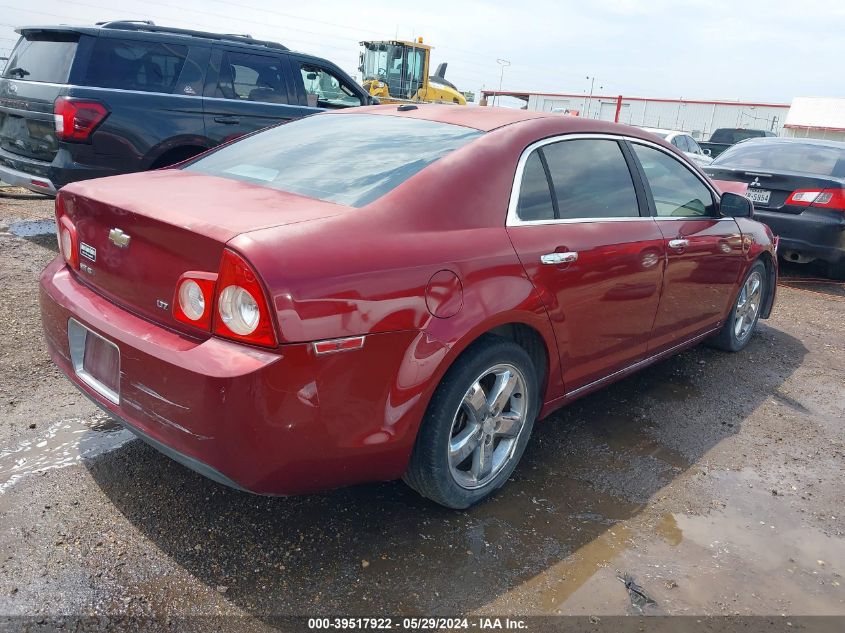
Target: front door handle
x,y
678,244
227,120
559,258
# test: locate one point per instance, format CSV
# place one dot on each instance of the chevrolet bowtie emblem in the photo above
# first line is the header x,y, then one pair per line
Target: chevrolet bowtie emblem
x,y
119,238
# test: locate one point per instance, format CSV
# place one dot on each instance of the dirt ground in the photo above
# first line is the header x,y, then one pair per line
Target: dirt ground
x,y
715,481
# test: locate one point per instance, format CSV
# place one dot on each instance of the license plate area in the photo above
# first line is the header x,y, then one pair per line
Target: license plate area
x,y
760,196
96,361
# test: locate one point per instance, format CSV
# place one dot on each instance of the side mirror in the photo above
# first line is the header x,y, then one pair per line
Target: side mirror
x,y
734,205
375,101
706,151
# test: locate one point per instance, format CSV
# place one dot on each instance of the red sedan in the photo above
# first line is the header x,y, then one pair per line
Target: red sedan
x,y
392,291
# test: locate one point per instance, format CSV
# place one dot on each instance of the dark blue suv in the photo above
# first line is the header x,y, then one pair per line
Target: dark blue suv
x,y
86,102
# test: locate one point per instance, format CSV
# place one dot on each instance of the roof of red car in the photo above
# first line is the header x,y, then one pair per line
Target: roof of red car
x,y
480,118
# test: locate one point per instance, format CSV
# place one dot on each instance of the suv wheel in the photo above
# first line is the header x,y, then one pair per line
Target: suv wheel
x,y
477,425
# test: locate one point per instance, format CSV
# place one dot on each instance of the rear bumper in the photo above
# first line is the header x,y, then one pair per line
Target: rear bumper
x,y
271,422
48,178
813,233
40,184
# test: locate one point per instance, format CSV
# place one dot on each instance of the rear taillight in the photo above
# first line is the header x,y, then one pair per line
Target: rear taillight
x,y
241,310
230,303
76,119
66,234
194,300
824,198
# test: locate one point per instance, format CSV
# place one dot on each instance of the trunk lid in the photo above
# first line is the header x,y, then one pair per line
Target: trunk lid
x,y
778,186
33,78
176,221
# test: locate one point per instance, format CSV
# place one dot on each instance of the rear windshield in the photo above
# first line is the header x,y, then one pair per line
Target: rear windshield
x,y
44,57
135,65
734,136
350,159
785,156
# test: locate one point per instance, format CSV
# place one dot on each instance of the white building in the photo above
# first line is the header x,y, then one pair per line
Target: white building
x,y
816,117
694,116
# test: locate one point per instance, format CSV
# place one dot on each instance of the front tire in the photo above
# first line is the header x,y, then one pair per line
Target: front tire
x,y
477,424
741,322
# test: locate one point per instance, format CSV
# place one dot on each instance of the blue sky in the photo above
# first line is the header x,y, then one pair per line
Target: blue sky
x,y
713,49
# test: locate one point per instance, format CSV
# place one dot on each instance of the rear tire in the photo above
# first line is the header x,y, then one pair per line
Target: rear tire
x,y
742,321
470,440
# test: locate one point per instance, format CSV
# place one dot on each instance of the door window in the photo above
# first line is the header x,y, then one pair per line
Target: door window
x,y
590,179
677,192
693,146
535,196
248,77
680,142
324,89
134,65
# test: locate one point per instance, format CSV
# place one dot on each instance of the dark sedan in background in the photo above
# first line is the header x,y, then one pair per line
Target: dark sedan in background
x,y
798,189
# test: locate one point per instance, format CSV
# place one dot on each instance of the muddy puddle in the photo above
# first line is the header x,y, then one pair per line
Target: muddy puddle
x,y
32,228
746,555
65,443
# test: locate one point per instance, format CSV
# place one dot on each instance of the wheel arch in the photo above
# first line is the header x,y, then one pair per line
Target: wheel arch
x,y
529,330
180,148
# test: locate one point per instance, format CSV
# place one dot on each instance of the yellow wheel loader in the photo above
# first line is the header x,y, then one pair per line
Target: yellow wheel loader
x,y
396,71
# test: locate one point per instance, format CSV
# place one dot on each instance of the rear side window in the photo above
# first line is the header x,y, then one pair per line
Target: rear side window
x,y
591,179
535,196
785,156
134,65
251,78
677,192
348,159
43,57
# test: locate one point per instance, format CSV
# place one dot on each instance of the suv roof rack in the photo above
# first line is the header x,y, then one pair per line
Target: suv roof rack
x,y
149,25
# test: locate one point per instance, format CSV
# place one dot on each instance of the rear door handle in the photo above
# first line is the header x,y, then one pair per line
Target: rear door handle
x,y
227,120
678,244
559,258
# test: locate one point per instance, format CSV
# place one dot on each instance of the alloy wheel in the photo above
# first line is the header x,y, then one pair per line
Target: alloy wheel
x,y
748,305
487,426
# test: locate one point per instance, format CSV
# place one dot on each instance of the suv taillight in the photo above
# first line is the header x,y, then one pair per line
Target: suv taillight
x,y
76,119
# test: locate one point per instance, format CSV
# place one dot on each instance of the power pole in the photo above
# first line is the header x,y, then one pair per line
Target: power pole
x,y
503,63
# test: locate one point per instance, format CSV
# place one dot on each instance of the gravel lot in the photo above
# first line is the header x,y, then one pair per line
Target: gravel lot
x,y
716,481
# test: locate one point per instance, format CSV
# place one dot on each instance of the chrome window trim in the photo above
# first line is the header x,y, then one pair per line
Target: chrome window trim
x,y
513,218
169,94
122,90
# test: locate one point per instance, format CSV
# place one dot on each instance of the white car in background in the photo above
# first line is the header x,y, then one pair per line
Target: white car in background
x,y
684,142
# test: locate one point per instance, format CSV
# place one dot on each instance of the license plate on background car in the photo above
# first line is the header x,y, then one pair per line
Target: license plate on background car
x,y
760,196
96,361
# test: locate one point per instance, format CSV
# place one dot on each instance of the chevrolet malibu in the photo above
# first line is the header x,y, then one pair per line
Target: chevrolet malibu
x,y
392,291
